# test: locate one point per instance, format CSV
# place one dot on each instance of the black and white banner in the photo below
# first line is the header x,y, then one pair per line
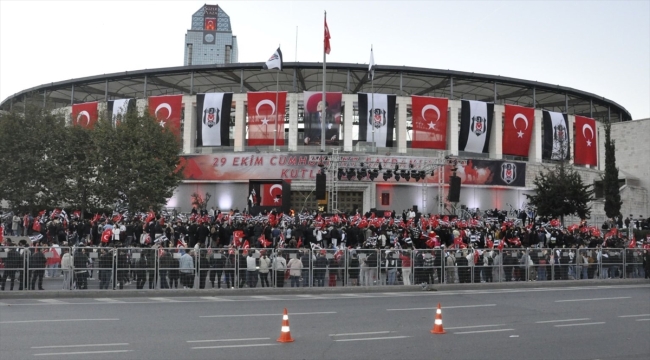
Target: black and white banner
x,y
377,115
213,117
118,108
556,136
475,126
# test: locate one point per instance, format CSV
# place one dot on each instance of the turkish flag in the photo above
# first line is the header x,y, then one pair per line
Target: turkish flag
x,y
517,130
271,194
167,111
107,235
585,142
266,117
84,115
237,237
327,48
429,122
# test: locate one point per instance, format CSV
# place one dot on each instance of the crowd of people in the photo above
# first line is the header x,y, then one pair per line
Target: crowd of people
x,y
210,248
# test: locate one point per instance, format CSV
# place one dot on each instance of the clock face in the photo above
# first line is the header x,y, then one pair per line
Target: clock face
x,y
209,38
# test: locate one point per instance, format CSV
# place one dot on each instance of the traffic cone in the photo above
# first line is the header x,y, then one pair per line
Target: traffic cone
x,y
437,324
285,333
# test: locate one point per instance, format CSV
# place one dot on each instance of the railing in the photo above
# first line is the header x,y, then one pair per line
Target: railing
x,y
107,268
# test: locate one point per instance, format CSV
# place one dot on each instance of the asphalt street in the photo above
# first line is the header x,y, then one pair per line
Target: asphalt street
x,y
592,322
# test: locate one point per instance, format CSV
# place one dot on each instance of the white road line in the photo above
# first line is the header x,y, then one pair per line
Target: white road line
x,y
219,340
473,327
642,319
639,315
57,320
378,338
164,299
581,324
445,307
3,304
611,298
78,345
263,297
230,346
214,298
483,331
563,320
108,300
362,333
253,315
52,301
85,352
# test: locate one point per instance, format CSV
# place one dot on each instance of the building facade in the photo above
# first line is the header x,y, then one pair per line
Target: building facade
x,y
210,40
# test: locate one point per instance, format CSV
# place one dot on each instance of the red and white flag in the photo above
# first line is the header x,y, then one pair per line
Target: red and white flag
x,y
266,118
429,122
517,130
167,111
84,115
585,142
327,47
271,194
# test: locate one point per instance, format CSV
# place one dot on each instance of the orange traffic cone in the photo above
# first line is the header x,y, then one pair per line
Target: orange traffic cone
x,y
285,333
437,324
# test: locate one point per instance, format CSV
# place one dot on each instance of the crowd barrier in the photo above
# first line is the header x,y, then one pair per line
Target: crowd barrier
x,y
107,268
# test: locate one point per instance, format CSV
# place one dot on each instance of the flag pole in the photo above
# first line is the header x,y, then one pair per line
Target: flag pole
x,y
322,115
372,103
277,110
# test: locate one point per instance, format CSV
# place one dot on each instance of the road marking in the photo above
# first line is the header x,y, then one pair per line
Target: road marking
x,y
230,346
85,352
473,327
164,299
362,333
79,345
52,301
445,307
109,300
218,340
563,320
378,338
57,320
262,297
627,316
483,331
611,298
642,319
581,324
214,298
514,336
253,315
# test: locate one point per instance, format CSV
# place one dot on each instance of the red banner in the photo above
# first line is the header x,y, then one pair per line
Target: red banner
x,y
271,194
167,111
84,115
429,122
585,142
517,130
263,114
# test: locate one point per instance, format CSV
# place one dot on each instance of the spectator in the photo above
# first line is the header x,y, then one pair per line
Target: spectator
x,y
295,271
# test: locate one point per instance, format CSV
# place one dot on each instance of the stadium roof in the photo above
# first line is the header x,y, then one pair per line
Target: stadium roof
x,y
298,77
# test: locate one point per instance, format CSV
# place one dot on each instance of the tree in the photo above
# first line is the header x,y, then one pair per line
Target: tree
x,y
560,191
610,180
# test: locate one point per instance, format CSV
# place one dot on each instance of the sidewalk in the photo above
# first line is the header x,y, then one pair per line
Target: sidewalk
x,y
49,294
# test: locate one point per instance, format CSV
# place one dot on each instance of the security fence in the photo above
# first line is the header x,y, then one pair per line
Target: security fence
x,y
132,268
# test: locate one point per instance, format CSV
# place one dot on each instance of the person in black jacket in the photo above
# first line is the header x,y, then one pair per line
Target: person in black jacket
x,y
217,263
105,266
80,262
37,264
13,267
320,268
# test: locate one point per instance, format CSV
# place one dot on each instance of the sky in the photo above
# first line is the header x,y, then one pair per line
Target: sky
x,y
601,47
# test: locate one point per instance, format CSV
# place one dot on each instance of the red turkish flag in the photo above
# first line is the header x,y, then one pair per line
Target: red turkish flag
x,y
429,122
517,130
107,235
210,24
237,236
167,111
84,115
271,194
266,117
327,47
585,142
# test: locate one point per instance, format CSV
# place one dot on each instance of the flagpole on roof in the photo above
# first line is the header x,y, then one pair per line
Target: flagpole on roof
x,y
322,114
277,109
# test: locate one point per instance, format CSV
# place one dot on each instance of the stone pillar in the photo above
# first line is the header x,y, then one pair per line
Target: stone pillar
x,y
400,125
348,102
293,121
600,140
189,124
140,105
452,127
572,120
496,135
535,150
240,122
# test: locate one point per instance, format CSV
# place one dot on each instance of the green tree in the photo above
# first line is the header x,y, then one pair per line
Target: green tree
x,y
610,180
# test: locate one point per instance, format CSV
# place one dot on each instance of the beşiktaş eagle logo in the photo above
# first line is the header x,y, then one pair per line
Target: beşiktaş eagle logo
x,y
508,172
378,119
211,116
478,125
559,133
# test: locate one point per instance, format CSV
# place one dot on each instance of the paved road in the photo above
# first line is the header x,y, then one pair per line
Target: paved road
x,y
596,322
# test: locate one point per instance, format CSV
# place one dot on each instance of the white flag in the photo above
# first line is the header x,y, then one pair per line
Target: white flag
x,y
275,61
371,66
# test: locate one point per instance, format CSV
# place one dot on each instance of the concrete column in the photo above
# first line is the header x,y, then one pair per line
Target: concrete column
x,y
240,122
535,150
140,105
189,124
572,120
293,121
600,140
400,125
496,135
348,101
452,127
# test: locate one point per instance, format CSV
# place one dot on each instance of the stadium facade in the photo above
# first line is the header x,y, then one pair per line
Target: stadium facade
x,y
249,157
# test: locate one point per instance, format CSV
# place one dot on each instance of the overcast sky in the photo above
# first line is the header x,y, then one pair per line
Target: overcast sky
x,y
596,46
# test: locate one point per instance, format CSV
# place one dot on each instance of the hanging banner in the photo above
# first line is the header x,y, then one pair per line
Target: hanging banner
x,y
312,120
